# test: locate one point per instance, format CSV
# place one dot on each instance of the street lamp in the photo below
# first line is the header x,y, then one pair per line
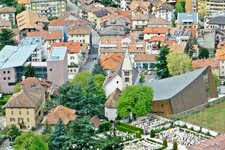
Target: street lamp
x,y
10,139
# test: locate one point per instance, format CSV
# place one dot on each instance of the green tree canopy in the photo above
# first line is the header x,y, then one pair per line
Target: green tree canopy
x,y
161,65
216,80
58,136
13,132
30,141
135,100
178,63
203,53
9,3
29,71
17,87
98,69
189,48
6,37
81,78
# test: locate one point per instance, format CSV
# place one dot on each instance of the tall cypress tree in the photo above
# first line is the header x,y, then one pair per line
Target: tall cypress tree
x,y
161,65
6,38
98,69
58,136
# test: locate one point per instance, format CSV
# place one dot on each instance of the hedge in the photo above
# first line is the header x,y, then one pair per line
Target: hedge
x,y
132,127
124,129
3,102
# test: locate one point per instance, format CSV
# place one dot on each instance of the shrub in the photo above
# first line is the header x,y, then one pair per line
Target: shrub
x,y
105,126
165,143
175,146
152,134
132,127
124,129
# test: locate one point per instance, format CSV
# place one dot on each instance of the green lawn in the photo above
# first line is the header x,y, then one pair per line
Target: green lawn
x,y
212,117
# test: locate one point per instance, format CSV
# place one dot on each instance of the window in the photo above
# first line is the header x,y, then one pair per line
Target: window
x,y
27,112
3,72
8,71
223,61
11,112
12,119
126,73
71,58
28,119
126,79
161,105
8,78
19,112
51,69
117,82
4,78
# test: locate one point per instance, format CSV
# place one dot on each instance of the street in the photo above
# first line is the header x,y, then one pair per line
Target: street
x,y
93,56
4,145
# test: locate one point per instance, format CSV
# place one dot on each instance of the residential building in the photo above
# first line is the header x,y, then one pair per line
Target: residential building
x,y
57,67
159,23
68,16
111,61
216,22
77,55
124,75
220,55
80,34
201,63
187,20
49,8
120,45
13,60
63,24
49,36
111,105
33,82
215,6
8,14
25,108
196,88
152,32
123,5
177,47
60,112
5,24
140,7
113,31
144,61
139,21
29,21
165,11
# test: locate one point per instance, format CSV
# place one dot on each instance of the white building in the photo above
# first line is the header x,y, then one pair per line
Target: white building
x,y
124,75
8,14
165,11
111,105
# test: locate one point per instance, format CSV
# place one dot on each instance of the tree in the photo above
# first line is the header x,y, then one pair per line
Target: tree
x,y
13,132
175,146
6,38
189,48
98,69
165,144
81,132
81,78
135,100
17,87
29,71
30,141
94,99
8,3
203,53
161,65
58,136
178,63
47,129
99,80
20,8
142,79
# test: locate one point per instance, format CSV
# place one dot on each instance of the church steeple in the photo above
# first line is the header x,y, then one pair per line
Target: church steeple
x,y
127,70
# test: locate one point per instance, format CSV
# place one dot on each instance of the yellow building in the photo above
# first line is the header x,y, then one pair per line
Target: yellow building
x,y
25,108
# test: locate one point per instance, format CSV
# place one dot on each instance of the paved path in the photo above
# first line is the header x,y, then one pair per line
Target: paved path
x,y
4,145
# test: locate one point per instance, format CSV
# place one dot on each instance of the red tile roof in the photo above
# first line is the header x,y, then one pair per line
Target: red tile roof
x,y
205,62
157,38
111,61
60,112
72,47
155,30
48,35
145,57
